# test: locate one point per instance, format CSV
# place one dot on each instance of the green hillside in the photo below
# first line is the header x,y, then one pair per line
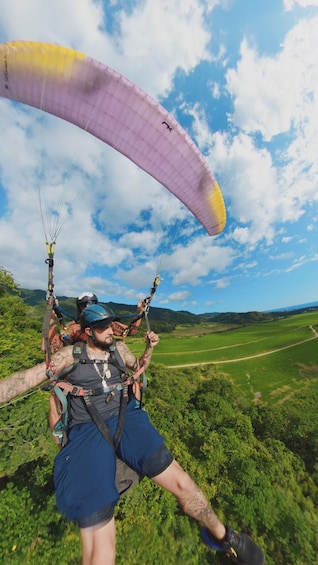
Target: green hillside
x,y
254,456
164,318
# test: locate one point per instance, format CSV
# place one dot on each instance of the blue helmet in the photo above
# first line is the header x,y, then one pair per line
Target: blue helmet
x,y
96,315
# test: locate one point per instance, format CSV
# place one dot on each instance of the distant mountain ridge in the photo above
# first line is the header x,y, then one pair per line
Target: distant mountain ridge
x,y
306,306
37,299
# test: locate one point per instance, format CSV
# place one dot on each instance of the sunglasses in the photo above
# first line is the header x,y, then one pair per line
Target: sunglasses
x,y
102,325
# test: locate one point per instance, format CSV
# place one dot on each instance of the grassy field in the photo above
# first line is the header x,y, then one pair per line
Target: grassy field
x,y
272,360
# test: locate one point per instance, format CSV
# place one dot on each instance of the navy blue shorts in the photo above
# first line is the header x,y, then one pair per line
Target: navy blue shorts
x,y
84,470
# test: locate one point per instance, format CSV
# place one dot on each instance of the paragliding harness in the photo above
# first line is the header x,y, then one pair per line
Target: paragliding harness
x,y
62,390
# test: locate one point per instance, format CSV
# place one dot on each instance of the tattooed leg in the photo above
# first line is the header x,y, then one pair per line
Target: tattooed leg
x,y
190,498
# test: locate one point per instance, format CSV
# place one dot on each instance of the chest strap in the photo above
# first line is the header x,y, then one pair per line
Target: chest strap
x,y
75,390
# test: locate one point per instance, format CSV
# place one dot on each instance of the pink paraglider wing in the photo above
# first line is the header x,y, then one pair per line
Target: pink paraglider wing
x,y
96,98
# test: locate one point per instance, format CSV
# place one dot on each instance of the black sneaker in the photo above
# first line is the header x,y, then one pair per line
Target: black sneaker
x,y
238,547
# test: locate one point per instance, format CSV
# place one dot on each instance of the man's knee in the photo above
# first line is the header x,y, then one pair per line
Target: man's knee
x,y
99,518
176,480
158,462
99,543
183,481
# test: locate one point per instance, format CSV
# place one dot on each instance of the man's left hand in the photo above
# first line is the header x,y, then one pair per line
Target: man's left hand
x,y
152,339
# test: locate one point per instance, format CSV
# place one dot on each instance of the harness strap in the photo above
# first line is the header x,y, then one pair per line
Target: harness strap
x,y
149,298
97,419
51,372
62,398
122,414
75,390
50,300
80,391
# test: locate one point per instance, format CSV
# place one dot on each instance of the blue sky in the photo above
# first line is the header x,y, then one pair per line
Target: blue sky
x,y
241,77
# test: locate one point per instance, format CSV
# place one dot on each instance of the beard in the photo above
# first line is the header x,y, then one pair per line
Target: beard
x,y
105,344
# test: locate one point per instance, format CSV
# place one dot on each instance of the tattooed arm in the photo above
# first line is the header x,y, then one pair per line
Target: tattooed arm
x,y
21,382
131,360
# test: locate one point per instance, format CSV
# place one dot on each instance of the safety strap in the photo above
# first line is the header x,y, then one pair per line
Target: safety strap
x,y
148,299
98,420
50,300
75,390
122,414
62,398
145,312
61,426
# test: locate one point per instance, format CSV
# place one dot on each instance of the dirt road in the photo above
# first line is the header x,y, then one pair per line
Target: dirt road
x,y
315,335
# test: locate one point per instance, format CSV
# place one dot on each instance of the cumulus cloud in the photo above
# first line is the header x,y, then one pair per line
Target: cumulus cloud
x,y
179,296
165,35
61,21
194,261
274,94
290,4
221,283
271,96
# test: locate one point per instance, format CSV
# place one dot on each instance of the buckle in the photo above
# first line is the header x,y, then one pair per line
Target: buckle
x,y
76,390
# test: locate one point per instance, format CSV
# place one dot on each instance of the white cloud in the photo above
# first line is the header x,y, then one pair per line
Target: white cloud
x,y
258,194
179,296
272,95
61,21
282,256
222,283
190,263
91,183
163,35
201,130
248,178
290,4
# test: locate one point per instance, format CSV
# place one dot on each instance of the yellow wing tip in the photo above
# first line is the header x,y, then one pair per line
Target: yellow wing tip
x,y
38,46
217,207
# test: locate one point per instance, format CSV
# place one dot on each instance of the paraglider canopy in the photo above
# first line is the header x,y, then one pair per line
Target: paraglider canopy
x,y
96,98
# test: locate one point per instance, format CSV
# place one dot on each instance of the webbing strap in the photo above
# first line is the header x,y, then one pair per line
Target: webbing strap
x,y
80,391
121,419
62,398
97,419
50,299
45,330
149,298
